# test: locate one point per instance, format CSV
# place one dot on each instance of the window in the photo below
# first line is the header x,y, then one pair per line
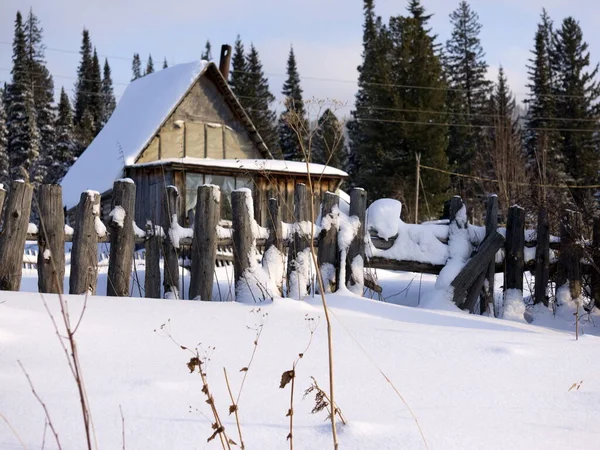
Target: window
x,y
226,184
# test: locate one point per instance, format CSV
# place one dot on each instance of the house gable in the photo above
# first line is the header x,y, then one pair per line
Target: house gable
x,y
203,125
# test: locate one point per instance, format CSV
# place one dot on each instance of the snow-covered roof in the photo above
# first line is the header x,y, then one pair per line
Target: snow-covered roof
x,y
144,106
253,165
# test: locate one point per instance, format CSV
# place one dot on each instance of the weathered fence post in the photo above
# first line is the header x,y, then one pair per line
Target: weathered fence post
x,y
328,247
491,225
355,259
152,257
242,218
542,258
14,235
596,260
275,239
299,241
51,239
2,197
122,238
456,204
170,254
569,258
84,254
204,243
514,260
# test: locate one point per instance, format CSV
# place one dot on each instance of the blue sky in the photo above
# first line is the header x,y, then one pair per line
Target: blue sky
x,y
326,34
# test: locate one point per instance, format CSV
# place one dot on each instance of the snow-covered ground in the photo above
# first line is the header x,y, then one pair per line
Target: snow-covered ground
x,y
472,382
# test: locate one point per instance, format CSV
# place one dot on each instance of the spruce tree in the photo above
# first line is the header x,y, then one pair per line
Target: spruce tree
x,y
4,163
43,95
207,53
108,94
259,99
369,128
23,134
577,104
328,143
65,140
84,75
544,156
294,107
239,72
165,64
136,67
466,69
149,66
96,105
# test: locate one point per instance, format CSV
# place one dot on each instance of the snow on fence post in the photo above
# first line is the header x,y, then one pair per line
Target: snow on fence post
x,y
299,241
51,239
84,253
355,259
570,253
171,258
242,218
515,251
491,225
204,243
122,238
328,248
542,257
596,260
14,235
152,260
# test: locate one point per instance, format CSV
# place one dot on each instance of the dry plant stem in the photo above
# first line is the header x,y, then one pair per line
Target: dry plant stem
x,y
14,432
211,401
235,409
73,357
41,402
337,410
122,425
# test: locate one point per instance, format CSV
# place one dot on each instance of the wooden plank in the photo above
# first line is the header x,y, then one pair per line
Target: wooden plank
x,y
514,260
596,263
456,204
242,234
542,258
170,253
475,266
122,239
491,224
300,240
84,253
14,233
275,239
152,277
569,270
51,239
328,248
2,197
204,244
356,252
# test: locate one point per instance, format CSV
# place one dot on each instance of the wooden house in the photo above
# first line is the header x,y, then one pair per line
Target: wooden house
x,y
183,126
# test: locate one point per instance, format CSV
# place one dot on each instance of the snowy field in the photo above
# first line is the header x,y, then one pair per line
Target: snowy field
x,y
472,382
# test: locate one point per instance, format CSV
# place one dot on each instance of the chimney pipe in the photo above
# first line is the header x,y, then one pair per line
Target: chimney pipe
x,y
225,60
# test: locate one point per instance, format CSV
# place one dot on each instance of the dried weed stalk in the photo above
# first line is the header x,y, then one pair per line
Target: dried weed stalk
x,y
322,401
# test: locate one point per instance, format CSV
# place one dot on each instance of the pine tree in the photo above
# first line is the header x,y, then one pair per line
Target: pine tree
x,y
259,99
504,159
108,94
292,91
149,66
84,75
23,135
65,140
165,64
368,129
96,105
545,160
43,95
577,102
207,54
238,78
136,67
4,163
328,143
466,69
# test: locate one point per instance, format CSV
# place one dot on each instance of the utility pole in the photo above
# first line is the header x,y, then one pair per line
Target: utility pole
x,y
418,177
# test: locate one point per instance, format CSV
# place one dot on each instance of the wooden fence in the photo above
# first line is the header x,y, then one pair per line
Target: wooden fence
x,y
164,242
